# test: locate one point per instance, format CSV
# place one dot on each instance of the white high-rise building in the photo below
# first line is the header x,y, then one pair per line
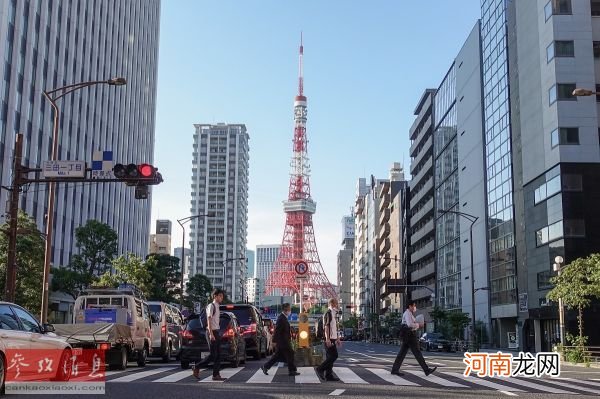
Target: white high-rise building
x,y
266,255
220,189
254,289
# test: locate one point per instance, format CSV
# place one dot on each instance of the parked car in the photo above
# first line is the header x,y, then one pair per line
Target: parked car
x,y
194,341
167,324
270,329
252,328
20,331
434,342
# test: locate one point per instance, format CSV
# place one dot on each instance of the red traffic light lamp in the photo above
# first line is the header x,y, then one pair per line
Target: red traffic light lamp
x,y
146,170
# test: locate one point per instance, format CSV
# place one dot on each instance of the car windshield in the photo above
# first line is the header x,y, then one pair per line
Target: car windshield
x,y
244,315
435,336
156,310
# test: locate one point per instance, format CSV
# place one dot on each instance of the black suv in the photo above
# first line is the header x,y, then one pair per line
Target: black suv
x,y
251,327
193,340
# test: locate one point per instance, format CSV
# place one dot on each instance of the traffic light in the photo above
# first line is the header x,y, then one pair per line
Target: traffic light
x,y
303,331
134,175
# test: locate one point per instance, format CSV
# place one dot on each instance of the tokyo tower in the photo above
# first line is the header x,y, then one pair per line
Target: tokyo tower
x,y
298,246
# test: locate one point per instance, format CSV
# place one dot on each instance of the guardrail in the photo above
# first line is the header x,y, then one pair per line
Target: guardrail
x,y
574,354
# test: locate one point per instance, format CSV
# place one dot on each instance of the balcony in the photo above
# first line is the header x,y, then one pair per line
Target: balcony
x,y
422,252
422,293
426,105
385,244
385,260
420,138
422,192
426,170
425,152
425,271
384,217
424,231
424,211
384,232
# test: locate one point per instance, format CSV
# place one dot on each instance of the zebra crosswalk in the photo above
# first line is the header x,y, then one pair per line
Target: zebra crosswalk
x,y
352,375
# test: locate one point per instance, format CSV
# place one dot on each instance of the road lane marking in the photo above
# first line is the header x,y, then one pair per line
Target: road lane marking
x,y
373,357
539,387
176,376
348,376
280,365
592,383
486,383
436,379
225,373
308,375
260,378
337,392
142,374
573,386
394,379
509,393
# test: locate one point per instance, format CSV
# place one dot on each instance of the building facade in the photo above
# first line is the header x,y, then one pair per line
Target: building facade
x,y
421,267
251,256
360,247
160,243
344,267
220,189
266,255
48,44
254,289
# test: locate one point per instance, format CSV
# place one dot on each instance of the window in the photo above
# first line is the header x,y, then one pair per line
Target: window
x,y
560,48
8,320
27,320
597,95
549,233
562,92
547,190
595,8
596,49
564,136
558,7
574,228
543,280
572,183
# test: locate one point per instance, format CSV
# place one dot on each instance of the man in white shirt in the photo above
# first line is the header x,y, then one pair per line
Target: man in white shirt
x,y
325,370
213,333
408,333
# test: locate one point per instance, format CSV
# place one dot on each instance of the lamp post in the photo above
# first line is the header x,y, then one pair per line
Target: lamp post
x,y
181,223
557,266
472,219
224,266
584,93
52,96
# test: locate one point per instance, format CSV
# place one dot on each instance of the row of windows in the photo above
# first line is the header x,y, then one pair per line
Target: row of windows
x,y
564,7
555,231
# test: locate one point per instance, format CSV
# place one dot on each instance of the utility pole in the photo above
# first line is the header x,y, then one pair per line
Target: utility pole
x,y
11,263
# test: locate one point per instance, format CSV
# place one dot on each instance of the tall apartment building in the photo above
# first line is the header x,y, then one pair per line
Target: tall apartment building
x,y
160,243
360,249
50,44
220,188
421,268
344,267
251,256
266,255
393,240
254,290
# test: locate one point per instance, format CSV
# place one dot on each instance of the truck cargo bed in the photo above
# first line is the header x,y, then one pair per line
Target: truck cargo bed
x,y
78,334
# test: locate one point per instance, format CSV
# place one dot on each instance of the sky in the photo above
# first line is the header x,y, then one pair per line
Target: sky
x,y
366,65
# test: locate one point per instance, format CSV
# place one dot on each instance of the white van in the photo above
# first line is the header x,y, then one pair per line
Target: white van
x,y
167,324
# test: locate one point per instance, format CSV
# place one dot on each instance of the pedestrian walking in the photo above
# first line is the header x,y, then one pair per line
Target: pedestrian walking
x,y
213,336
325,370
408,333
282,337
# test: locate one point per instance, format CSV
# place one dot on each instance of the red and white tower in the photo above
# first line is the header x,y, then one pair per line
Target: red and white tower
x,y
298,244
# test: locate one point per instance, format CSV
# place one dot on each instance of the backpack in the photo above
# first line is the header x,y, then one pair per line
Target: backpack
x,y
320,325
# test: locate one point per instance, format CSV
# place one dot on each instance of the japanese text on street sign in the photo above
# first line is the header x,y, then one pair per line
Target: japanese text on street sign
x,y
74,169
505,365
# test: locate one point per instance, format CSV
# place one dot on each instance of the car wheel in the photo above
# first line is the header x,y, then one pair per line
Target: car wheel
x,y
142,357
63,373
2,374
185,364
167,356
123,364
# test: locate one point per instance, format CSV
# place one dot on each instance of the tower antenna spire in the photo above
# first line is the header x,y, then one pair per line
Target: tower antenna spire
x,y
301,69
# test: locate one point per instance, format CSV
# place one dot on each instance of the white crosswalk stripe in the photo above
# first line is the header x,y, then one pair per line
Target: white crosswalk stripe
x,y
142,374
348,376
308,375
578,387
587,382
473,379
260,378
538,387
394,379
225,373
435,379
176,376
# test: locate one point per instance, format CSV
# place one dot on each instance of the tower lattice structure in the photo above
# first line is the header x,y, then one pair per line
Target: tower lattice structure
x,y
299,238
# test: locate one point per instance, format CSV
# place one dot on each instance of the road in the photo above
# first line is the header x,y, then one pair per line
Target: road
x,y
364,371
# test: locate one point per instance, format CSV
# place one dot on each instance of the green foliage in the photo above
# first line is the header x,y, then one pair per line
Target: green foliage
x,y
165,274
129,269
577,284
198,289
439,316
30,262
352,322
97,244
457,322
577,352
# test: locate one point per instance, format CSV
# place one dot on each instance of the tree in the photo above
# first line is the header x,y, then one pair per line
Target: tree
x,y
457,322
165,277
130,269
97,243
30,262
198,289
439,316
577,284
352,322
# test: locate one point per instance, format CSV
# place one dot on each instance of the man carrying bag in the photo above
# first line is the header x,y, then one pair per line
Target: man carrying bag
x,y
282,338
213,336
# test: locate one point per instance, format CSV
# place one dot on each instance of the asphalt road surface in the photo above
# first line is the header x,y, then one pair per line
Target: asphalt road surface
x,y
364,370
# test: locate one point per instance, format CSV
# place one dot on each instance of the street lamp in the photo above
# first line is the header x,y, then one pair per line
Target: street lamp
x,y
52,96
583,92
557,266
181,223
224,266
472,219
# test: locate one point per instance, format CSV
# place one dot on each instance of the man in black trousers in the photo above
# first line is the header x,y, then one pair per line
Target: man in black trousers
x,y
325,370
213,334
282,337
409,340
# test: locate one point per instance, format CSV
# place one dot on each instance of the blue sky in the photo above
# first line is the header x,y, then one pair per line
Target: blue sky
x,y
366,65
